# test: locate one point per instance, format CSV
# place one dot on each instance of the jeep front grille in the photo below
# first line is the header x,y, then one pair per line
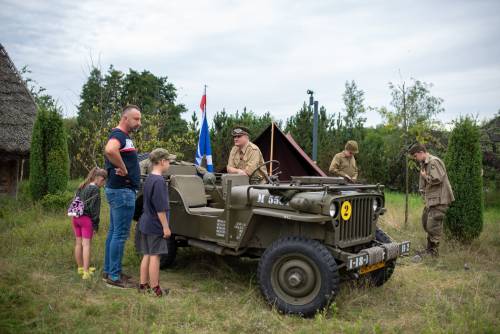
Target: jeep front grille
x,y
359,226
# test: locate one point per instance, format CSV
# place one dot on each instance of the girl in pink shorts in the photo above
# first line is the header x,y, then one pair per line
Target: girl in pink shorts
x,y
85,225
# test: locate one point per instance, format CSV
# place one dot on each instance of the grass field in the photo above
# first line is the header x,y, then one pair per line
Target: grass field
x,y
41,292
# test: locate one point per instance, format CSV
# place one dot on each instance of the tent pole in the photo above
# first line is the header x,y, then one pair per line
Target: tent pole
x,y
271,153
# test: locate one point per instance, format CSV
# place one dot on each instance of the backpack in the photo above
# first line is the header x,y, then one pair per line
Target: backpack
x,y
77,206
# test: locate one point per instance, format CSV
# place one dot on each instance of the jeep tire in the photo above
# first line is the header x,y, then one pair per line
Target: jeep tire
x,y
298,276
380,276
167,260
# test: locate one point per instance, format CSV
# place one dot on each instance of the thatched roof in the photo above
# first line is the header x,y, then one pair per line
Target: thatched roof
x,y
17,109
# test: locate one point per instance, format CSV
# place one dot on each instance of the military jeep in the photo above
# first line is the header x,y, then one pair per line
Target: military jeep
x,y
308,232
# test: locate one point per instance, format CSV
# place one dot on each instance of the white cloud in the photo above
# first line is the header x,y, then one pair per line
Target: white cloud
x,y
265,54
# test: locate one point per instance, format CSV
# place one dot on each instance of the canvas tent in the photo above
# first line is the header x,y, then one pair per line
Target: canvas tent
x,y
275,145
17,115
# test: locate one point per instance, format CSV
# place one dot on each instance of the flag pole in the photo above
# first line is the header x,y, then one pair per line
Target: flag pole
x,y
272,147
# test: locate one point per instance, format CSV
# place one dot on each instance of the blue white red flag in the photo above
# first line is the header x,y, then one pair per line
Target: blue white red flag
x,y
204,147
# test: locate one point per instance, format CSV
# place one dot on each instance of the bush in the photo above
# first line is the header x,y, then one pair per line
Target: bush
x,y
49,161
38,167
464,218
56,202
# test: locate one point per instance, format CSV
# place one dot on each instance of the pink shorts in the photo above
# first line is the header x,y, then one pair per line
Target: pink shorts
x,y
83,227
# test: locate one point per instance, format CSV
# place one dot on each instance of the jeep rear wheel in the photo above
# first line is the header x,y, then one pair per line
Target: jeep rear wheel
x,y
380,276
166,260
298,276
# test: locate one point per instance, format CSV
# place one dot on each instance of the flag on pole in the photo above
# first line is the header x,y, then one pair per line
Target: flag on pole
x,y
204,148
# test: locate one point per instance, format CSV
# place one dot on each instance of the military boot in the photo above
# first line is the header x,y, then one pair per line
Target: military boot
x,y
434,249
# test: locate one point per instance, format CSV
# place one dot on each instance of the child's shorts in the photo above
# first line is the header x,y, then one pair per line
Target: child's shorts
x,y
83,227
149,244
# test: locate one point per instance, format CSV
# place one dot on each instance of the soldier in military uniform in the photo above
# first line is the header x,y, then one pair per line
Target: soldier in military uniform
x,y
245,156
344,163
437,193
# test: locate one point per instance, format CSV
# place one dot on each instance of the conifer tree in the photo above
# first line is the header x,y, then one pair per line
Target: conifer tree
x,y
464,218
49,162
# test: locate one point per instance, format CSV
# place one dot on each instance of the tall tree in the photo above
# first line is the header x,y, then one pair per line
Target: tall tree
x,y
49,162
101,100
413,113
464,218
354,109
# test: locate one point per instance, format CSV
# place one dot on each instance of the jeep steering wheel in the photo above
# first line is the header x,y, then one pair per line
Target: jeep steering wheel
x,y
265,163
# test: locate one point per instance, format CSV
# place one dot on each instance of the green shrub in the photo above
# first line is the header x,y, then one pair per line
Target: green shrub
x,y
57,155
49,161
56,202
464,218
38,167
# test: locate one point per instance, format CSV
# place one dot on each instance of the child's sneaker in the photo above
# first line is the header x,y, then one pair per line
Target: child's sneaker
x,y
143,288
92,270
87,275
159,292
80,270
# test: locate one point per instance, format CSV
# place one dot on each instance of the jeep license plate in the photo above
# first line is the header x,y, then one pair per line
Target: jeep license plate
x,y
357,261
404,247
372,267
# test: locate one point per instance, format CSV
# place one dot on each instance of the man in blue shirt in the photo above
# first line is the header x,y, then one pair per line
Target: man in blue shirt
x,y
122,183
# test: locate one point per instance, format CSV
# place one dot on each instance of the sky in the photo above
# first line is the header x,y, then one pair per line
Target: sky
x,y
264,55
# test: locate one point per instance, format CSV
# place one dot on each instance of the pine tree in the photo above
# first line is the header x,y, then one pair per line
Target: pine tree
x,y
57,154
38,161
49,162
464,218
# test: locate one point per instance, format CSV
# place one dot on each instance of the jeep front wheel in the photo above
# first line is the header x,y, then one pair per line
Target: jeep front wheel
x,y
380,276
298,276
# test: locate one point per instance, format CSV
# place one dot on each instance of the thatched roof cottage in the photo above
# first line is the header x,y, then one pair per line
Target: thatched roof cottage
x,y
17,115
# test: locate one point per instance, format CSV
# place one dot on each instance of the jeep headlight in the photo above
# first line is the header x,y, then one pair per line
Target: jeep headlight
x,y
333,209
375,204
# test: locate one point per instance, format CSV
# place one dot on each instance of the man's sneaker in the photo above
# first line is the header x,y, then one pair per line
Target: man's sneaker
x,y
159,292
104,277
121,284
125,277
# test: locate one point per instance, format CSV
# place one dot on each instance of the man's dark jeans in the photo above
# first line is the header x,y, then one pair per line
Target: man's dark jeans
x,y
121,209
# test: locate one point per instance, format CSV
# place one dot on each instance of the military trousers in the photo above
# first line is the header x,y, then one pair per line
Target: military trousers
x,y
432,222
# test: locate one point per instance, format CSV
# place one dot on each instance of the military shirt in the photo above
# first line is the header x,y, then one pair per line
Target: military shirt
x,y
247,159
435,186
344,166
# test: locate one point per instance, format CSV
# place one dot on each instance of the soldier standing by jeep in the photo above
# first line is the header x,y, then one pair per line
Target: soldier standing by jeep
x,y
436,190
344,163
245,156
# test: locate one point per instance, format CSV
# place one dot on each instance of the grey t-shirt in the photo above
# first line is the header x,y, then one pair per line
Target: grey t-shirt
x,y
155,199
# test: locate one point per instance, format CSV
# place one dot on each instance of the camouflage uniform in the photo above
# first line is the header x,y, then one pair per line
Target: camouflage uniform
x,y
248,159
438,195
344,166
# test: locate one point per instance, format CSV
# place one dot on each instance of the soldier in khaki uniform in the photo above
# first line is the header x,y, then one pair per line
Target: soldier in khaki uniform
x,y
245,156
438,195
344,163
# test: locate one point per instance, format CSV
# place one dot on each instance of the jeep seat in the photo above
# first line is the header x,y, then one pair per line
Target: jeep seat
x,y
236,180
192,192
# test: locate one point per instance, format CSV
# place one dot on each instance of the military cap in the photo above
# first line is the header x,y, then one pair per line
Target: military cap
x,y
240,130
351,146
417,147
159,154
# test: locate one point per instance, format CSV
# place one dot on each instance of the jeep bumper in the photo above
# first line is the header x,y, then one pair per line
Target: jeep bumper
x,y
373,256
